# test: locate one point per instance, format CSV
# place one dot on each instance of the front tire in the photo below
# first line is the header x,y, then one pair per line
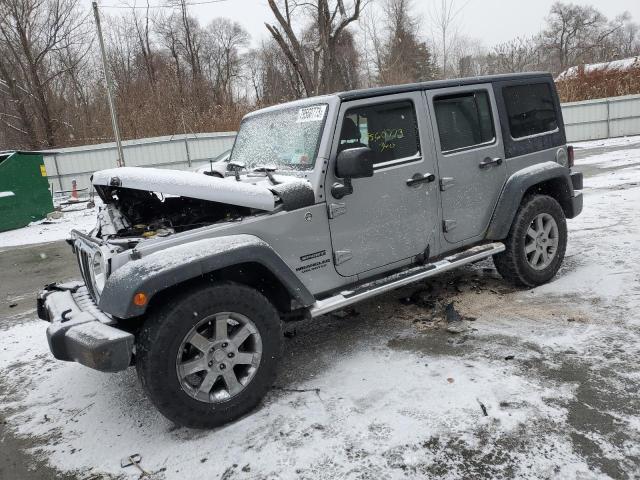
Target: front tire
x,y
209,356
536,243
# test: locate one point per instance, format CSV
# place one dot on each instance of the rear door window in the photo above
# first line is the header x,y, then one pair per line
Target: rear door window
x,y
390,130
464,120
530,109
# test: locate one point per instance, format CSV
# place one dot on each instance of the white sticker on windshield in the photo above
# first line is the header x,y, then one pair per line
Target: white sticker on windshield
x,y
311,114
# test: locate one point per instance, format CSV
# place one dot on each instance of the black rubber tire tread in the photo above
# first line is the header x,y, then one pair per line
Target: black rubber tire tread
x,y
512,263
165,328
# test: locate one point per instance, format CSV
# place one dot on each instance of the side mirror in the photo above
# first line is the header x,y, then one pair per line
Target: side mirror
x,y
352,163
355,163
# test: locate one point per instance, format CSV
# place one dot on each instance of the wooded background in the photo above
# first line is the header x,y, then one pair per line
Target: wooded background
x,y
174,75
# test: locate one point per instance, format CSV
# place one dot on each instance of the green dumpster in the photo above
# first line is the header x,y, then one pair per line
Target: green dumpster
x,y
24,189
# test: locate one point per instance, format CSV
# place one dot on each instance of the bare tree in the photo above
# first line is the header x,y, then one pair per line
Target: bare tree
x,y
15,116
223,44
172,75
190,34
517,55
168,29
273,76
142,28
576,33
313,59
373,44
406,57
32,34
624,41
445,15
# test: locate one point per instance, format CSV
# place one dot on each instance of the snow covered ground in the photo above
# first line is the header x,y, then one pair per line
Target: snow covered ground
x,y
608,143
389,394
74,217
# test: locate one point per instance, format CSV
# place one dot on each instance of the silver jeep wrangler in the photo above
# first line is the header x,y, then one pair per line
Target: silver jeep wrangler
x,y
327,201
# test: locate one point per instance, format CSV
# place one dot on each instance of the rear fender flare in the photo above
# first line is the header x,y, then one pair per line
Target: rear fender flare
x,y
516,187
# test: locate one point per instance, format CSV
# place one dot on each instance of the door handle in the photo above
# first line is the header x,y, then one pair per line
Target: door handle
x,y
419,178
489,162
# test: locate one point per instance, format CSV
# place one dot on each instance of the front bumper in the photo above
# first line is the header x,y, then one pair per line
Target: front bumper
x,y
80,332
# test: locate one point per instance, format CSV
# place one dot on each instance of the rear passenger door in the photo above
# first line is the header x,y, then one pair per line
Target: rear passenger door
x,y
470,156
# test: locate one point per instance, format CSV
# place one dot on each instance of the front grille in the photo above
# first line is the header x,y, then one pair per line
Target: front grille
x,y
84,262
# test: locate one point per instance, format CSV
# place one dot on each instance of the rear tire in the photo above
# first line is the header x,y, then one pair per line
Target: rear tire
x,y
209,356
536,243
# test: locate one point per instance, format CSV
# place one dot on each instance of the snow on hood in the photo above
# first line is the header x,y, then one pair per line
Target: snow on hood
x,y
188,184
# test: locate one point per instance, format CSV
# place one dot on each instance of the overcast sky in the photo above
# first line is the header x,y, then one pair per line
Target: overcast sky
x,y
491,21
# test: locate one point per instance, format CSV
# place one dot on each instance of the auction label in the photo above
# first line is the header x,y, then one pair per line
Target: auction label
x,y
314,113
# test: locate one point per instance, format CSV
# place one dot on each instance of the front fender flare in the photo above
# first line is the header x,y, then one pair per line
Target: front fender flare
x,y
515,188
175,265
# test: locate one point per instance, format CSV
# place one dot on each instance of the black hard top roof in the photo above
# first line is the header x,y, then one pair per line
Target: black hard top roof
x,y
456,82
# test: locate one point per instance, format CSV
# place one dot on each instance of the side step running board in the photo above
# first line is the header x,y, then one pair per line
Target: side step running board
x,y
368,290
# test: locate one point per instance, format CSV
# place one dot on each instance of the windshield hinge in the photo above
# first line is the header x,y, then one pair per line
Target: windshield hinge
x,y
337,209
341,256
446,182
448,225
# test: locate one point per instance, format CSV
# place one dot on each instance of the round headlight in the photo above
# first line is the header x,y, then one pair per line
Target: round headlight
x,y
98,272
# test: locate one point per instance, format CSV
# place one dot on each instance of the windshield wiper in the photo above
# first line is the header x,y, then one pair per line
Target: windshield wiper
x,y
235,167
268,171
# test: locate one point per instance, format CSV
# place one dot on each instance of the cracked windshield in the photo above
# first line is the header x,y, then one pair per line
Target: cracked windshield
x,y
286,139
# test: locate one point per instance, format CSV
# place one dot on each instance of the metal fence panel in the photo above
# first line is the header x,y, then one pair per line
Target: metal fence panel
x,y
586,131
602,118
588,120
625,116
178,151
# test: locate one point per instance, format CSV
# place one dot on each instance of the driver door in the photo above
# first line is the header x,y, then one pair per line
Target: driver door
x,y
391,216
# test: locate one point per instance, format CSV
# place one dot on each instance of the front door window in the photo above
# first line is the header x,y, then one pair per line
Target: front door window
x,y
390,130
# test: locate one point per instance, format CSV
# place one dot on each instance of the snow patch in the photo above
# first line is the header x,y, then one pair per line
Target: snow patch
x,y
624,64
51,230
607,142
615,159
180,255
189,184
376,401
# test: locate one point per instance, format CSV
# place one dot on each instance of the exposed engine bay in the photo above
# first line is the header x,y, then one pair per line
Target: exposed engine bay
x,y
139,213
148,202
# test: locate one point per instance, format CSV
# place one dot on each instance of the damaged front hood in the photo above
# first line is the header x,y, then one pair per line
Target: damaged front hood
x,y
193,185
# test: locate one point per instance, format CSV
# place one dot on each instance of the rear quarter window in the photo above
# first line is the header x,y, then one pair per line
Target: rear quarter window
x,y
464,120
530,109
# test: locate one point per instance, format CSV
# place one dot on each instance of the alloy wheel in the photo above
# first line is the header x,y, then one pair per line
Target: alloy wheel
x,y
541,242
219,357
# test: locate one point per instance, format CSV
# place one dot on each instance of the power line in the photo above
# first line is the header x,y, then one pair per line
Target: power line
x,y
160,6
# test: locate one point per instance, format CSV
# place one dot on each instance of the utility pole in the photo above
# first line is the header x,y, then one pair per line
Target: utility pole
x,y
107,79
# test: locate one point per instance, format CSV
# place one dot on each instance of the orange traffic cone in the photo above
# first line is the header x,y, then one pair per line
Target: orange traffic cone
x,y
74,191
